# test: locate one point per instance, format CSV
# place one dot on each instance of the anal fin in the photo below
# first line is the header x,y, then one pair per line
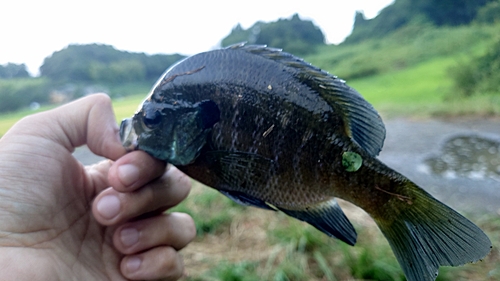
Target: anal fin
x,y
329,218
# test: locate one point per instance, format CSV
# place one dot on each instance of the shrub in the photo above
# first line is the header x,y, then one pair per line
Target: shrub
x,y
480,75
18,93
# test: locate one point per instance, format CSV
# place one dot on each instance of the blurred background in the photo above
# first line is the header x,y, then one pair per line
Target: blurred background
x,y
430,67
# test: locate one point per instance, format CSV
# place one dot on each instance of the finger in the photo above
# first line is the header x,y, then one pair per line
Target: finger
x,y
158,263
175,230
97,175
134,170
89,120
112,207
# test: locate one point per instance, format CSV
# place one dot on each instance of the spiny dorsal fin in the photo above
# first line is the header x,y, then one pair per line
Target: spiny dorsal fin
x,y
363,123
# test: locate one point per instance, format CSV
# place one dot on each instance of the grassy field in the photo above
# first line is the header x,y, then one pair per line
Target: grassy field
x,y
7,120
424,90
240,243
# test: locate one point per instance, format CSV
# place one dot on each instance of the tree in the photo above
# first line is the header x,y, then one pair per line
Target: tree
x,y
449,12
390,19
117,72
293,35
155,65
72,63
20,92
238,35
490,13
403,13
480,75
12,70
96,63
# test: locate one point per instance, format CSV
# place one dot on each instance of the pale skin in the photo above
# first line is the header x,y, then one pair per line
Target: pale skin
x,y
60,220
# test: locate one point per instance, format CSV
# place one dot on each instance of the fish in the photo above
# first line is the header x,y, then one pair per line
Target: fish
x,y
269,130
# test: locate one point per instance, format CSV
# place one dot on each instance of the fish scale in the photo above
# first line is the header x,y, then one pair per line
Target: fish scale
x,y
271,131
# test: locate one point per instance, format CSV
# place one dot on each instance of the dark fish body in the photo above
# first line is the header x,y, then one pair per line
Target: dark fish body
x,y
269,130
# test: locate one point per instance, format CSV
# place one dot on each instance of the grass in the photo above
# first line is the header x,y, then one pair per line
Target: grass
x,y
9,119
256,244
127,106
412,91
409,46
220,216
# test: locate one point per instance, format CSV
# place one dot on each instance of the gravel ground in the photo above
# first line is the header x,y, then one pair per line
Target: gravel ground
x,y
409,143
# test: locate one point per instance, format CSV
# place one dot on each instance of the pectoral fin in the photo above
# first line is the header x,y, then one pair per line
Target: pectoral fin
x,y
327,217
241,169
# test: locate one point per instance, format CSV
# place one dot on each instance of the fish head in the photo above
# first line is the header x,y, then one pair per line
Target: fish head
x,y
174,132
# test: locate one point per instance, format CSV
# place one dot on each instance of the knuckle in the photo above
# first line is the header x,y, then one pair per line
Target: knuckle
x,y
148,200
180,182
100,98
171,264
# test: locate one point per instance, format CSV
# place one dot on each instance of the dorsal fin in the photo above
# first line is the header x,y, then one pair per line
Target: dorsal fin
x,y
362,122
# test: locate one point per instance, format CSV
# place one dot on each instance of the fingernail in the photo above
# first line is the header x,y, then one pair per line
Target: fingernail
x,y
128,174
133,264
108,206
129,236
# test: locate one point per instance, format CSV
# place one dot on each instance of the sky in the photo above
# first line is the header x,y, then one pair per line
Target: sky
x,y
31,30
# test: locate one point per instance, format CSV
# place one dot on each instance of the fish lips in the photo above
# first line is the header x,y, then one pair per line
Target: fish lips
x,y
176,147
128,136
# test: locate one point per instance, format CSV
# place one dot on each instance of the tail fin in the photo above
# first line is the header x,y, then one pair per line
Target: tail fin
x,y
427,234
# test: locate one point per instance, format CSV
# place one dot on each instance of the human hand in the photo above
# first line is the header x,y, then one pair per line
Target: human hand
x,y
60,220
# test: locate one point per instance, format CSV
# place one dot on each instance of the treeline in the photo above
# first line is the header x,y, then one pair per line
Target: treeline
x,y
78,70
97,63
21,92
423,12
12,70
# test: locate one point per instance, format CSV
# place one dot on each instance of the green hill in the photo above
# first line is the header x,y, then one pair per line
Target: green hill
x,y
409,71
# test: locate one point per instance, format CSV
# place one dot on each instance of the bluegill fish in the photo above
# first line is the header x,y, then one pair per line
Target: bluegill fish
x,y
269,130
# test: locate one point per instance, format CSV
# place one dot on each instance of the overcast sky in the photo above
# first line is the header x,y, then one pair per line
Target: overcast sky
x,y
33,30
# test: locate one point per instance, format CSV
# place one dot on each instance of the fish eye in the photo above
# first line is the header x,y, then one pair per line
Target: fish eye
x,y
152,119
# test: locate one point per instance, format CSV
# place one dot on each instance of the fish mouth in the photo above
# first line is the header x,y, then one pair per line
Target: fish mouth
x,y
128,136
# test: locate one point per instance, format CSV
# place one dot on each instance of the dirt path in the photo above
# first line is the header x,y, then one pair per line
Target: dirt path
x,y
410,142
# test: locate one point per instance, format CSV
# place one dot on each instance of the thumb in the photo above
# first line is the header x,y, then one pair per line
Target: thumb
x,y
89,120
